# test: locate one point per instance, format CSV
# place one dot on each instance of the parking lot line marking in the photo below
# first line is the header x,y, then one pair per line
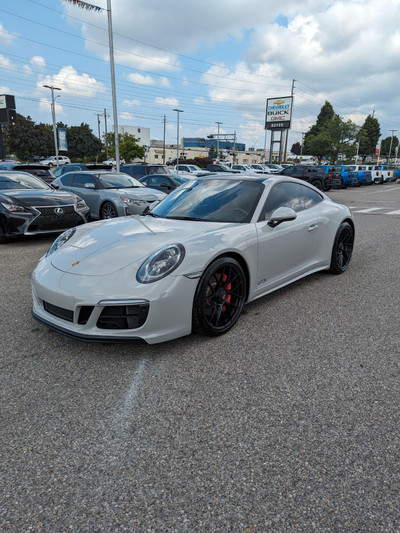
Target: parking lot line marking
x,y
393,212
370,209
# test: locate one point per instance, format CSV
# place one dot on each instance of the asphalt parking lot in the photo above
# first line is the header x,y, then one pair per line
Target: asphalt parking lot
x,y
290,422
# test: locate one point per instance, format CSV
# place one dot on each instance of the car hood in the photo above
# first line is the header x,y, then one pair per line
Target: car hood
x,y
143,193
39,198
103,247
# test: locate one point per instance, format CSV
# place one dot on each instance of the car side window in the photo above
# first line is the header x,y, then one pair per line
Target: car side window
x,y
156,181
81,179
308,197
67,179
296,196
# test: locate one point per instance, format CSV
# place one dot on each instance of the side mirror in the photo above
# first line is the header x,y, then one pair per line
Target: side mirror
x,y
165,186
89,186
54,185
282,214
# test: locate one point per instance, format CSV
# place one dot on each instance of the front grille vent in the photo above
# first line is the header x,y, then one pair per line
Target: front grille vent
x,y
123,316
59,312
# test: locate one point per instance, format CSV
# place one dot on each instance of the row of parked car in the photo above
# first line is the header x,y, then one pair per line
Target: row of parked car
x,y
36,199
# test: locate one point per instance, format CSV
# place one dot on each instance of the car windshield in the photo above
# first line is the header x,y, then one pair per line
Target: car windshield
x,y
194,168
181,179
118,181
21,181
212,200
157,170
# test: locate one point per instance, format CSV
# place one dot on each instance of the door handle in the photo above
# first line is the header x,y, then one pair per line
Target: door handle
x,y
312,227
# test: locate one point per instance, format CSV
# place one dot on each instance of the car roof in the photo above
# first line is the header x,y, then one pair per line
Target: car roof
x,y
228,176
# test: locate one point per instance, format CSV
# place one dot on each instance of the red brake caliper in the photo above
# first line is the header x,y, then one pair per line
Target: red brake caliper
x,y
228,287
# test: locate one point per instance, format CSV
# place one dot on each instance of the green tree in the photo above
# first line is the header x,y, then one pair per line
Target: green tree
x,y
325,115
212,152
368,137
129,148
296,148
82,143
25,138
336,137
385,146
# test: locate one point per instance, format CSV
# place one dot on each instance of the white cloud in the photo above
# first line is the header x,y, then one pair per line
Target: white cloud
x,y
45,106
140,79
164,82
6,38
126,116
6,63
38,61
73,84
169,102
131,102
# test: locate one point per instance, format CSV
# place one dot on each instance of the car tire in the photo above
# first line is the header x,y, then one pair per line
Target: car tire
x,y
219,297
342,249
318,184
3,238
108,210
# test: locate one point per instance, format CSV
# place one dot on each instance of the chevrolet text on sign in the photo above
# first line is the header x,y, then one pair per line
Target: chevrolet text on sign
x,y
279,113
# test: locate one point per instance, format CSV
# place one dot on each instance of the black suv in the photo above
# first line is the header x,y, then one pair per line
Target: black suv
x,y
324,181
43,172
138,170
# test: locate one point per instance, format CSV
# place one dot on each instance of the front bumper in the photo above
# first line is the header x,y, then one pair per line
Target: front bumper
x,y
113,308
41,222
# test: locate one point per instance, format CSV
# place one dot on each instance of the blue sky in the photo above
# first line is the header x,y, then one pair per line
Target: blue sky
x,y
217,61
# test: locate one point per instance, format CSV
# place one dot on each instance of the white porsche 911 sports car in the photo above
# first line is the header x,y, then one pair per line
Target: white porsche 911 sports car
x,y
192,262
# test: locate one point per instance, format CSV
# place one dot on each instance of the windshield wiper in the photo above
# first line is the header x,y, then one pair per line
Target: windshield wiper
x,y
146,212
185,218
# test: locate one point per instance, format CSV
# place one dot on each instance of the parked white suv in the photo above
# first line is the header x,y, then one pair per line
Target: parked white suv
x,y
52,161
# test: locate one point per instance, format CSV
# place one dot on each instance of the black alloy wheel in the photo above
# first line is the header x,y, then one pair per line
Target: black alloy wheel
x,y
108,211
342,249
219,297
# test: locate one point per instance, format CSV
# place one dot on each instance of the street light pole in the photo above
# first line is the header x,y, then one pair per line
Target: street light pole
x,y
177,134
113,89
53,114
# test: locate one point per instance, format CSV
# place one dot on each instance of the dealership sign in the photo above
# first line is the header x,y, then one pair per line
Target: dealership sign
x,y
279,113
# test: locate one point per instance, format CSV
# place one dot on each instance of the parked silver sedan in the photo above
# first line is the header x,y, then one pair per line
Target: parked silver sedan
x,y
109,194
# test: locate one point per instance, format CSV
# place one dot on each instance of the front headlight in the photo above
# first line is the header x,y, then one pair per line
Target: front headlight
x,y
130,201
161,263
14,208
80,204
61,240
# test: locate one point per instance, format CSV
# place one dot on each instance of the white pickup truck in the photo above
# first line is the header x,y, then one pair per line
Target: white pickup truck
x,y
381,174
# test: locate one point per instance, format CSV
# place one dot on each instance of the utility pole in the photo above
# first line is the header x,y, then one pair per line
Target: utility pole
x,y
219,123
53,114
98,115
105,131
177,134
302,142
287,131
165,123
390,149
